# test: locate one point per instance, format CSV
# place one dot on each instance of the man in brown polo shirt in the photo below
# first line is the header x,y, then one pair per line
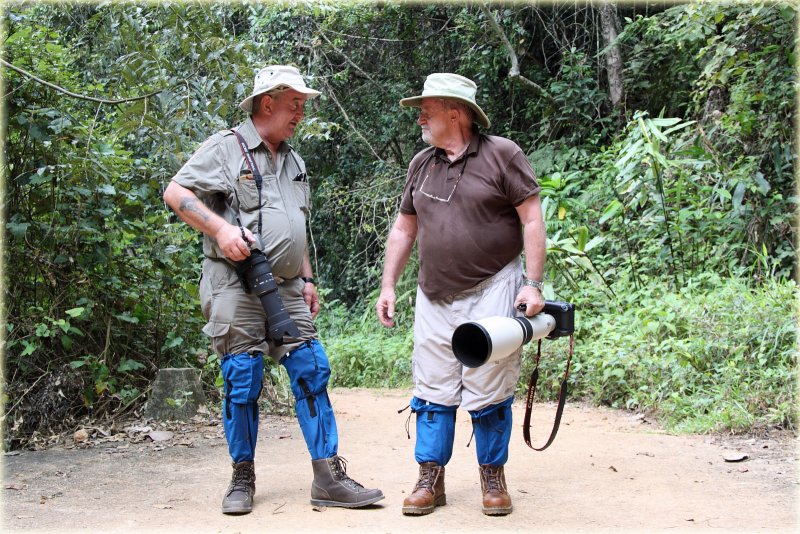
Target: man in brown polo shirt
x,y
243,187
471,204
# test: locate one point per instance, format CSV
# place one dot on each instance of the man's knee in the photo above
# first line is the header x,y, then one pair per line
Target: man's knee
x,y
309,370
243,377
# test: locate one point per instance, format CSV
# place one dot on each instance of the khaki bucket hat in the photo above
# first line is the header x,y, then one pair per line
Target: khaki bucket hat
x,y
453,86
274,77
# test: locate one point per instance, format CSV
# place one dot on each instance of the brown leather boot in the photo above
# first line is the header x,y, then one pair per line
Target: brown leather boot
x,y
496,500
429,491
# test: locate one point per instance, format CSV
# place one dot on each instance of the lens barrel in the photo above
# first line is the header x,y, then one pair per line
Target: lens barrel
x,y
262,283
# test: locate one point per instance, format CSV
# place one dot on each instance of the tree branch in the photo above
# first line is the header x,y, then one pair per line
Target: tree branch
x,y
514,73
70,93
347,118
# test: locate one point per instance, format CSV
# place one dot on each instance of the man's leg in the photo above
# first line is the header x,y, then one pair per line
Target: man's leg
x,y
242,375
309,371
436,426
492,427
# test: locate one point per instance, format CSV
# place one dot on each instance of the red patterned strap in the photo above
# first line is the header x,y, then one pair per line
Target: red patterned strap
x,y
562,398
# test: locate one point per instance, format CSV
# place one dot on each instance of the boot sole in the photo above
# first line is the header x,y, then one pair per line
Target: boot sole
x,y
497,511
239,510
359,504
417,510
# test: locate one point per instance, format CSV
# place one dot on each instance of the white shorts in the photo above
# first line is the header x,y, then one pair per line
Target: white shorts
x,y
438,376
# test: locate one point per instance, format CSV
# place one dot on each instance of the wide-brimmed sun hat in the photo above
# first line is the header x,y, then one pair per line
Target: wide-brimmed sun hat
x,y
453,86
274,77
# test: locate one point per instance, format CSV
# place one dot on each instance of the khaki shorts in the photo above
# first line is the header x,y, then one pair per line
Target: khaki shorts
x,y
236,320
438,376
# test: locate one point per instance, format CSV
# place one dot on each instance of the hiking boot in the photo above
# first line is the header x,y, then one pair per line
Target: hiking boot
x,y
429,491
239,498
332,486
496,500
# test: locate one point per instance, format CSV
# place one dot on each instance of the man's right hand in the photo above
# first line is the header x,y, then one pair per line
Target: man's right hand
x,y
229,239
385,307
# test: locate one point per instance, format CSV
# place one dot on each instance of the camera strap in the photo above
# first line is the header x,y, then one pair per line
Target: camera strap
x,y
562,398
251,164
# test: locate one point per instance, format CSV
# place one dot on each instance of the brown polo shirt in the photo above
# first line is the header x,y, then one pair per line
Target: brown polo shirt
x,y
213,174
467,225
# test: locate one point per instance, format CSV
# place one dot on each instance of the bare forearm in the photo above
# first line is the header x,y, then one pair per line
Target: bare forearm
x,y
191,210
306,270
534,240
398,250
234,242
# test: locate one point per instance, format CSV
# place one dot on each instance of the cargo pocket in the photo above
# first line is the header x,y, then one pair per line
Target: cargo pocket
x,y
218,332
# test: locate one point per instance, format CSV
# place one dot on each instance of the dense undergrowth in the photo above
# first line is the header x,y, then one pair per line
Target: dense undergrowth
x,y
717,355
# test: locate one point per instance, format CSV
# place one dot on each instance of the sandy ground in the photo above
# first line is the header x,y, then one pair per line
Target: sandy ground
x,y
606,471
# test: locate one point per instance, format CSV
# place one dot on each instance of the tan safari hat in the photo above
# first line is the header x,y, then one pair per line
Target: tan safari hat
x,y
274,77
453,86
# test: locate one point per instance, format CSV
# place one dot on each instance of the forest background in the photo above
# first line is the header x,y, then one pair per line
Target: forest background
x,y
662,135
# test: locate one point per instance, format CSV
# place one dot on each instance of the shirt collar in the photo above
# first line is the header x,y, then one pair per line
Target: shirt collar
x,y
253,139
472,148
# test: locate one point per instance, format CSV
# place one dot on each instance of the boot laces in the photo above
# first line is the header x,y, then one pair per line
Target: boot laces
x,y
242,480
427,478
339,465
492,478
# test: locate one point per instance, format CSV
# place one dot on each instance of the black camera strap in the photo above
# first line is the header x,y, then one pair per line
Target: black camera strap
x,y
251,164
562,398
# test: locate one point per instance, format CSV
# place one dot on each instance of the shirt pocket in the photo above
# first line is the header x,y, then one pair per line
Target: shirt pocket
x,y
248,195
302,193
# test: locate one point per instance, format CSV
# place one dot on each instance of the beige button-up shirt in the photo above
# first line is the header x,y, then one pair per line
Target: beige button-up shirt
x,y
214,174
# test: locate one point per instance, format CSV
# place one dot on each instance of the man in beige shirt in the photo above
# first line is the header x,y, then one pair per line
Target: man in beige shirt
x,y
247,191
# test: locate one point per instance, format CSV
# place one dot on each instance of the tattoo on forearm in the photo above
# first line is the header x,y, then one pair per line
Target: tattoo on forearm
x,y
189,204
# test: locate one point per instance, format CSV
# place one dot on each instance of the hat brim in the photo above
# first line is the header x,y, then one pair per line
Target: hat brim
x,y
480,116
247,103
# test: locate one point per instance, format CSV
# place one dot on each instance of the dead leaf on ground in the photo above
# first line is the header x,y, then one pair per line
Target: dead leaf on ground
x,y
319,508
80,436
17,487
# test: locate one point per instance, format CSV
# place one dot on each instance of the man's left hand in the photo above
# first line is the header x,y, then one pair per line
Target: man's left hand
x,y
312,299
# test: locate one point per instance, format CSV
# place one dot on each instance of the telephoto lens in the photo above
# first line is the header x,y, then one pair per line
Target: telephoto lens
x,y
259,279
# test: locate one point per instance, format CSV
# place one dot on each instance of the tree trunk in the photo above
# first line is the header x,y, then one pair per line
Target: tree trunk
x,y
609,25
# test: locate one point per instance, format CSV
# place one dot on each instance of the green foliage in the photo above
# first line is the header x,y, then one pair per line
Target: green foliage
x,y
716,355
363,353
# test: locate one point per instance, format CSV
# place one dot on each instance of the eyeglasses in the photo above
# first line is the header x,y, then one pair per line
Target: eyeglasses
x,y
455,185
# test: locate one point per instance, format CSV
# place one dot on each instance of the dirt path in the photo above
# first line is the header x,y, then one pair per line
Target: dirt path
x,y
607,470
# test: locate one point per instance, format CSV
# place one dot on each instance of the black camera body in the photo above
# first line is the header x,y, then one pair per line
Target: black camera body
x,y
255,273
564,314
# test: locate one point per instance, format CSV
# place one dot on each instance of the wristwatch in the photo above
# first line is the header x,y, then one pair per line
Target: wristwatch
x,y
308,280
533,283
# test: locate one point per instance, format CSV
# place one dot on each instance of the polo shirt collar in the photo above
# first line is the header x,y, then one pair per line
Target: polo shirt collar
x,y
472,148
253,139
